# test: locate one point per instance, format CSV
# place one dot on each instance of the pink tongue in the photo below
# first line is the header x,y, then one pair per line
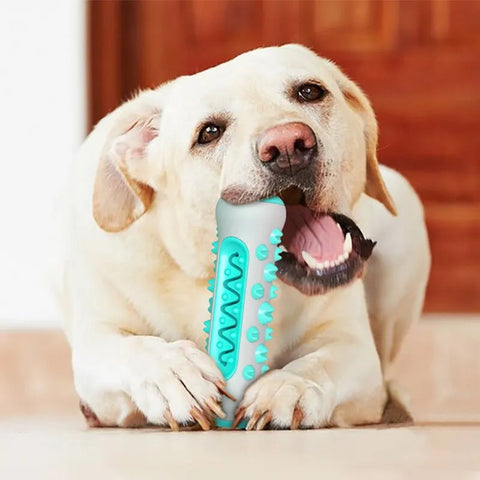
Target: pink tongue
x,y
315,233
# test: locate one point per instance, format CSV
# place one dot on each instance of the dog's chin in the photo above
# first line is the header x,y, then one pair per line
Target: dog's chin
x,y
321,250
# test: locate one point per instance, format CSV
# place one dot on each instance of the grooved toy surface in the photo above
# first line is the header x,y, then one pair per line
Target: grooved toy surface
x,y
228,304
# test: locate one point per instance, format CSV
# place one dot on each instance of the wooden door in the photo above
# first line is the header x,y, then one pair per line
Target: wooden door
x,y
419,62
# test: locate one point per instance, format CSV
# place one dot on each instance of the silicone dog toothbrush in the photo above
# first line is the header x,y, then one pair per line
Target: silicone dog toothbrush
x,y
241,314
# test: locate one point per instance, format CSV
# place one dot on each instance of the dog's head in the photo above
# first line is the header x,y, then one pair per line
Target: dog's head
x,y
274,121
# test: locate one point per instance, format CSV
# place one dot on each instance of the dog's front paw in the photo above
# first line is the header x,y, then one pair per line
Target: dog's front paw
x,y
167,384
177,383
286,400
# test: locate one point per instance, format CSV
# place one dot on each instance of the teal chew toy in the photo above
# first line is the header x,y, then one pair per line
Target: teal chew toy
x,y
241,314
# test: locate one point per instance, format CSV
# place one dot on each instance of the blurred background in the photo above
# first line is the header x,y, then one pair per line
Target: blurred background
x,y
66,63
418,61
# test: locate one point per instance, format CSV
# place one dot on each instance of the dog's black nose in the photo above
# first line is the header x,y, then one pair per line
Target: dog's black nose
x,y
287,148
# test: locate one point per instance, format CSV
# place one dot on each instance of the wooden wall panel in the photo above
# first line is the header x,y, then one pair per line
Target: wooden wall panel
x,y
418,61
353,26
455,239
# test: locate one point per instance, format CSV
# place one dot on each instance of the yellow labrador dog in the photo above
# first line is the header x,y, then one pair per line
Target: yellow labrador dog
x,y
274,121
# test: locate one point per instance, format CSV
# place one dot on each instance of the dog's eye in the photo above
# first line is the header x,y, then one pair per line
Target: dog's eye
x,y
310,92
209,133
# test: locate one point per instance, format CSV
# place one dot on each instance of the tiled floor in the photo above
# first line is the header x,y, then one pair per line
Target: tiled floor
x,y
42,435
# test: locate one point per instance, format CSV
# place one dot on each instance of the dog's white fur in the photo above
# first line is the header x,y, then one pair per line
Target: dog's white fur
x,y
140,224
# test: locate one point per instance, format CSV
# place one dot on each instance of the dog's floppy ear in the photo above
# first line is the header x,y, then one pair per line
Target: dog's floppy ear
x,y
120,196
375,186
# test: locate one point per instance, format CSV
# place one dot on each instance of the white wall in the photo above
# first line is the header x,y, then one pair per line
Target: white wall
x,y
42,118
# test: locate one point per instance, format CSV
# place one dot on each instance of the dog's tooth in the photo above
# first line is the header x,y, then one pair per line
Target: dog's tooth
x,y
282,248
347,244
320,265
339,227
309,260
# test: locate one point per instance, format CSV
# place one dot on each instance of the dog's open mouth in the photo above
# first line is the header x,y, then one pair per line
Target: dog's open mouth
x,y
321,251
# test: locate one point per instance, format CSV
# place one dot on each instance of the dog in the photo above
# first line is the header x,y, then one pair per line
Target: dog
x,y
273,121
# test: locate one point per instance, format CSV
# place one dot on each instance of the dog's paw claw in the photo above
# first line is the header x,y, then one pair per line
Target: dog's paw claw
x,y
297,418
172,423
239,414
222,389
204,420
254,418
263,421
90,417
